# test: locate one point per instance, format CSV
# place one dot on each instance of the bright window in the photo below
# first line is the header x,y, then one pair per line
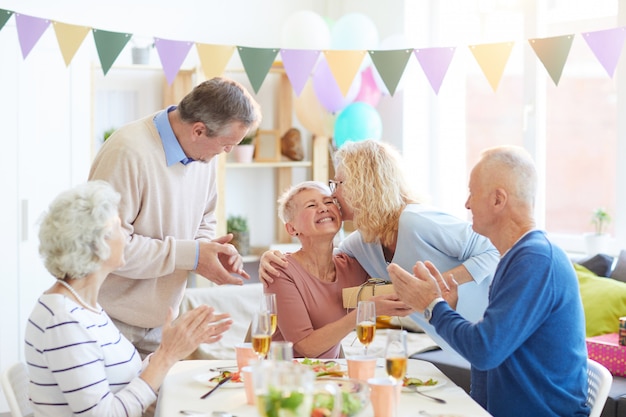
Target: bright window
x,y
572,128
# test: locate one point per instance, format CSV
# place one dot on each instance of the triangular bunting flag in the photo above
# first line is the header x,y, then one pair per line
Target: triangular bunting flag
x,y
553,52
29,30
606,46
257,63
5,15
435,63
390,66
298,65
214,58
172,55
109,46
344,66
69,37
492,58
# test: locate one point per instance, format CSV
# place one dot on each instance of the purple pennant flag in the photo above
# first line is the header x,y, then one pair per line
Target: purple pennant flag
x,y
607,46
29,30
435,63
298,66
172,55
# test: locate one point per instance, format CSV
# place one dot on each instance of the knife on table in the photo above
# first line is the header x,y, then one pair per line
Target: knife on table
x,y
219,384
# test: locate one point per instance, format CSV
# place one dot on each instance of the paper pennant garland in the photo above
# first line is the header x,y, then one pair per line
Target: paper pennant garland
x,y
69,37
109,46
344,66
492,58
214,58
390,66
606,46
553,52
5,15
29,30
435,63
298,65
257,63
172,55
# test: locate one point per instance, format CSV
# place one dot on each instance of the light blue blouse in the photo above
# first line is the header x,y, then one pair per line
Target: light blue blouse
x,y
428,234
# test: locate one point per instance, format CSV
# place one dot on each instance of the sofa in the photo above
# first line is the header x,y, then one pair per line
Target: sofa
x,y
602,281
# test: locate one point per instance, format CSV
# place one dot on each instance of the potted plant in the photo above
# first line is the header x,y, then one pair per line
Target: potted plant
x,y
108,133
598,241
238,226
244,152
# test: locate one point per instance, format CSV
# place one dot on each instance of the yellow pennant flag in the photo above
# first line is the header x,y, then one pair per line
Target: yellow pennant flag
x,y
344,66
70,37
492,58
214,58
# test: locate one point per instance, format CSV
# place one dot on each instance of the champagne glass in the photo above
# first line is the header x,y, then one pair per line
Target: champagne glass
x,y
366,322
268,303
396,357
261,332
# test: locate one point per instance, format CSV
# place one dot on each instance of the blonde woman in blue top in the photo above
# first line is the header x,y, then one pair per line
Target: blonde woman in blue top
x,y
78,361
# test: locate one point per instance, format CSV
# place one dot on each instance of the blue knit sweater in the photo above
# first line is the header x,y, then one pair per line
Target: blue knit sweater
x,y
528,353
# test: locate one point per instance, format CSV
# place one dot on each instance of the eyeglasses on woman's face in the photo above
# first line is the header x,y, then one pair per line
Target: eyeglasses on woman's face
x,y
332,184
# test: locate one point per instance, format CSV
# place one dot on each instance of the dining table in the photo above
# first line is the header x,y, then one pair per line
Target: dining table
x,y
187,381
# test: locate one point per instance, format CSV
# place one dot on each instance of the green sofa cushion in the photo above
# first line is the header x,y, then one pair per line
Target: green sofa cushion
x,y
604,301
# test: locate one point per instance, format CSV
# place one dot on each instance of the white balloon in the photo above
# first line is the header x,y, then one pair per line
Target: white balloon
x,y
305,30
354,31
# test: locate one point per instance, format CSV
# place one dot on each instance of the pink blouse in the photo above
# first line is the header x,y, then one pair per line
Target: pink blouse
x,y
306,303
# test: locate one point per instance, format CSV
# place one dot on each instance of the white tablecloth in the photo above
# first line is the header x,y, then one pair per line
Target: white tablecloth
x,y
180,391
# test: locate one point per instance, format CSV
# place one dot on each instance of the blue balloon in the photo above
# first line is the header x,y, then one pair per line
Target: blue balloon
x,y
358,121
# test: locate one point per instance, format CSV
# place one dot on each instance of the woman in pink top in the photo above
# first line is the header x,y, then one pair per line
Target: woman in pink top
x,y
308,291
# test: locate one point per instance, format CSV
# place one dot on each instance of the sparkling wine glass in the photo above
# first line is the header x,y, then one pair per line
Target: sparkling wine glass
x,y
396,357
366,322
268,303
261,332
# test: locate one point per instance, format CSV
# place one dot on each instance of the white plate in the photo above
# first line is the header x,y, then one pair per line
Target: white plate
x,y
205,380
440,383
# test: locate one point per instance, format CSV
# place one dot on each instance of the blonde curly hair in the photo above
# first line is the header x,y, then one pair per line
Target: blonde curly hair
x,y
374,185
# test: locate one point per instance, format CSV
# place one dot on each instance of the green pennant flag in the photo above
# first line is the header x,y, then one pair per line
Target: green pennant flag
x,y
5,15
553,52
257,63
109,46
390,65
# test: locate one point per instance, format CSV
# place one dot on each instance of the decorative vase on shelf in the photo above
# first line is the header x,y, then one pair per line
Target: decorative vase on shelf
x,y
141,55
244,153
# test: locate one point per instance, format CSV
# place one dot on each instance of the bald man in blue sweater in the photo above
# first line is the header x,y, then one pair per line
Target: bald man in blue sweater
x,y
528,352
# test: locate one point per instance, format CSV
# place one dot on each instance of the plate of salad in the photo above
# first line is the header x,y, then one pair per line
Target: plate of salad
x,y
324,368
211,379
422,384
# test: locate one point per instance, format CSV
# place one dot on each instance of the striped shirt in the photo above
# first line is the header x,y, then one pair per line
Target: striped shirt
x,y
80,364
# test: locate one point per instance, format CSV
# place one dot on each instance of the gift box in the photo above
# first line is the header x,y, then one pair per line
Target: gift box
x,y
352,295
606,350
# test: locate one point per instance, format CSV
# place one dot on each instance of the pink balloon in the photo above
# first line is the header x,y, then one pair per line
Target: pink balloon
x,y
327,90
369,92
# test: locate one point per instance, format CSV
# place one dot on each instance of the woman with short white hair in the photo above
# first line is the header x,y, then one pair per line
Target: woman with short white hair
x,y
309,287
79,362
